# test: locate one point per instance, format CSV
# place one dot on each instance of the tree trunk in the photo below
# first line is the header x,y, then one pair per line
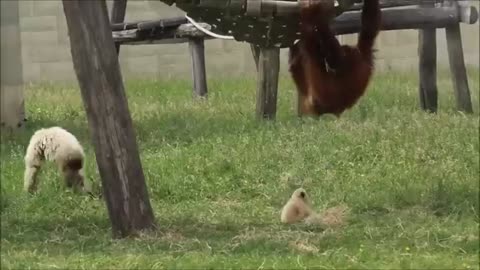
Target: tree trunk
x,y
111,129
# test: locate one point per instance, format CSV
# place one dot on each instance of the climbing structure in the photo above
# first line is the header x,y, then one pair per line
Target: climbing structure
x,y
269,25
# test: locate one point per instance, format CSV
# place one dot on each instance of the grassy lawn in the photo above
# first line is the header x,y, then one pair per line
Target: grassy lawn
x,y
218,178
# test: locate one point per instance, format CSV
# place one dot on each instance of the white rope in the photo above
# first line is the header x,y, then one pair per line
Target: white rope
x,y
206,31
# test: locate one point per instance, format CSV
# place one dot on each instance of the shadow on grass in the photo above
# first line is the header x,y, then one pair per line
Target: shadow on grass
x,y
89,232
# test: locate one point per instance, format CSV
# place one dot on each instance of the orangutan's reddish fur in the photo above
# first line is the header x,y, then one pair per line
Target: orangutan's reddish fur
x,y
330,78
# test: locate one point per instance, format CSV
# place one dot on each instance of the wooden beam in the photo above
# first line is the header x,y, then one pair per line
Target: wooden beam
x,y
397,3
268,68
137,33
403,18
179,34
149,24
110,124
169,22
152,41
468,14
119,10
197,51
125,25
457,68
427,67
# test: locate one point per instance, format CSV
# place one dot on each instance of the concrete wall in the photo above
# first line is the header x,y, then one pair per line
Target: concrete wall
x,y
12,110
46,52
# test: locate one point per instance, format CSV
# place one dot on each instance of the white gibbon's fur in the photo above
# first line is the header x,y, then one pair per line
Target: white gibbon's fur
x,y
57,145
297,208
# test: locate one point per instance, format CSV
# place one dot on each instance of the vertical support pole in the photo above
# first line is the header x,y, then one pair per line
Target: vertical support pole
x,y
110,124
268,69
457,67
427,67
118,12
255,52
12,99
197,52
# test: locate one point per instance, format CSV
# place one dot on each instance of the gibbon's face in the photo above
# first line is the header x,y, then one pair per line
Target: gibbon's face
x,y
75,180
300,194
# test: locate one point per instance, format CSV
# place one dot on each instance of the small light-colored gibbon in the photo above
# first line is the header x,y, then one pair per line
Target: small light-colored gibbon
x,y
297,208
57,145
331,78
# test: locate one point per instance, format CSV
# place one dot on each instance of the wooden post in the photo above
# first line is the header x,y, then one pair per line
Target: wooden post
x,y
119,10
457,67
11,93
98,72
197,51
427,67
268,68
255,52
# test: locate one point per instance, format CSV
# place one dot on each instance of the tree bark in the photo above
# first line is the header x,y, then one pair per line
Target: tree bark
x,y
110,124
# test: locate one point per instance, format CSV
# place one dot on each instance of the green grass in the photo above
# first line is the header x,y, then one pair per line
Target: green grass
x,y
218,178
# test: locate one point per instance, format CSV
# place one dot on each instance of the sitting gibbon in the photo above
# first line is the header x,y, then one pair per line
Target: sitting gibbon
x,y
297,208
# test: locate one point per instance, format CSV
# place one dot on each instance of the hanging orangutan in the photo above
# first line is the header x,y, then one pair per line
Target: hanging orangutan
x,y
329,77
